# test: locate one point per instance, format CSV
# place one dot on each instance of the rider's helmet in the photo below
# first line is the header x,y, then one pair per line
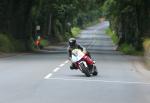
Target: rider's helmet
x,y
72,42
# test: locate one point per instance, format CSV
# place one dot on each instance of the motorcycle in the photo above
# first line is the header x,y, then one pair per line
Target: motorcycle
x,y
84,63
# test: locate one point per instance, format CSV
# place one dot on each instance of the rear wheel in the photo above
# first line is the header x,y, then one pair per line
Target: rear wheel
x,y
95,71
87,73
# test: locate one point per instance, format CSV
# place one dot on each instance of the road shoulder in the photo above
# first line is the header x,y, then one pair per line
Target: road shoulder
x,y
7,55
141,67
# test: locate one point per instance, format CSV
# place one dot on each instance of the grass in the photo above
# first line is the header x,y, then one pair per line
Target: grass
x,y
112,35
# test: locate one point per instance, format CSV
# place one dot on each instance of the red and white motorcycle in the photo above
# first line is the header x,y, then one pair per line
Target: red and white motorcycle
x,y
84,63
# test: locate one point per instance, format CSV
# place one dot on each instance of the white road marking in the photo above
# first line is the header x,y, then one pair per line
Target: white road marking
x,y
56,69
66,61
105,81
48,76
61,65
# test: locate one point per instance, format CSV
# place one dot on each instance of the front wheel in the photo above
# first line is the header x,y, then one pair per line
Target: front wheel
x,y
85,70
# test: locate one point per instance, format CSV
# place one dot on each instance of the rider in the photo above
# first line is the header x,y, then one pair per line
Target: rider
x,y
73,45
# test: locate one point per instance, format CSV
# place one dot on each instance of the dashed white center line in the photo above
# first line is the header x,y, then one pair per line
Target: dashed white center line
x,y
56,69
66,61
61,65
48,76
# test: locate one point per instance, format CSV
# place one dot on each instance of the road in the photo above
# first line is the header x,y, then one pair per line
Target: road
x,y
46,78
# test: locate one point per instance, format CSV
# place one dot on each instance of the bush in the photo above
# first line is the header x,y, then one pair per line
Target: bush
x,y
20,46
6,43
129,49
44,42
75,31
9,44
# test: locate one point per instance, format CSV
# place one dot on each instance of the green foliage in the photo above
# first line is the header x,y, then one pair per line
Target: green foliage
x,y
146,44
19,45
44,42
77,13
127,48
55,17
15,19
130,19
67,36
9,44
90,23
6,44
113,35
108,8
75,31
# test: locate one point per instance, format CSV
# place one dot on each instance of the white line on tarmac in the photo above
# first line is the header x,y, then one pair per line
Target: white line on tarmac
x,y
66,61
48,76
104,81
56,69
61,65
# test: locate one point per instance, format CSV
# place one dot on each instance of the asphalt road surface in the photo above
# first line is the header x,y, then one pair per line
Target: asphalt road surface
x,y
46,78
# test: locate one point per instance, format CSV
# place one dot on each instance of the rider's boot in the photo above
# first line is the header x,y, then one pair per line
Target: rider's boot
x,y
73,66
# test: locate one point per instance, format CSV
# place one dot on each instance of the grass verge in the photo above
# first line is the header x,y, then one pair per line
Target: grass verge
x,y
146,45
129,49
125,47
112,35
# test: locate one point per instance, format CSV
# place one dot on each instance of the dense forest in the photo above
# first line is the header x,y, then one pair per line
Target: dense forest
x,y
130,19
19,18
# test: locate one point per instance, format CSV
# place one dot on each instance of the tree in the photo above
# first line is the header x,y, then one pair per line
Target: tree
x,y
19,18
130,19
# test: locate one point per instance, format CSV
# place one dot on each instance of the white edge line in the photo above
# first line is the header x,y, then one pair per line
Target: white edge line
x,y
105,81
48,76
